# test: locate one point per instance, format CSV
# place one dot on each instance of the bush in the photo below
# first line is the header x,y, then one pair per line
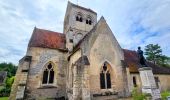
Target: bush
x,y
9,81
5,92
165,94
137,95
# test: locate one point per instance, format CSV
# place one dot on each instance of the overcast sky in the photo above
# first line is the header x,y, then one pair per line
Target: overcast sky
x,y
133,22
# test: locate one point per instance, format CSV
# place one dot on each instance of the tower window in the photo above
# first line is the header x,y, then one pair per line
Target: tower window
x,y
88,21
105,78
134,81
48,74
71,40
79,18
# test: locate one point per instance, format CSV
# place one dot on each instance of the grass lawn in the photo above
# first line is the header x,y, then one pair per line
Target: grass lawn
x,y
3,98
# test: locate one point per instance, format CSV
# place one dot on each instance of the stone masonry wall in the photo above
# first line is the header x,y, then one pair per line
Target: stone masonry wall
x,y
40,58
163,84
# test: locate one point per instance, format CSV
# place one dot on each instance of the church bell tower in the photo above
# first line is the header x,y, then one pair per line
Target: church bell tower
x,y
78,22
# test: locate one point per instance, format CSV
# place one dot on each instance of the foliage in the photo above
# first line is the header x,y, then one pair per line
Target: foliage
x,y
164,61
9,67
136,95
9,81
165,94
1,87
11,70
154,54
5,91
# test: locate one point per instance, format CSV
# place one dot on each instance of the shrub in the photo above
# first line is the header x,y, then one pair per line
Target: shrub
x,y
165,94
9,81
5,92
136,95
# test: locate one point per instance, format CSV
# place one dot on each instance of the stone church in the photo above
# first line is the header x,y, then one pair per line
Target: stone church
x,y
85,62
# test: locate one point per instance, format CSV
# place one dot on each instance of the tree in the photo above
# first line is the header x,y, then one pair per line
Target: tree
x,y
153,53
164,61
9,67
11,70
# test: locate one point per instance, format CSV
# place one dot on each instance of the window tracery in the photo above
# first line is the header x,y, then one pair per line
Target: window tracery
x,y
48,74
105,77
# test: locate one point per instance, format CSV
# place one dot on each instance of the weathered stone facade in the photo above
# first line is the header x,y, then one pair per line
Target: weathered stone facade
x,y
84,63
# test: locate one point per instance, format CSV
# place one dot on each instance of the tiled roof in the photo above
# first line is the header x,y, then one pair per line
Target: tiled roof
x,y
47,39
131,60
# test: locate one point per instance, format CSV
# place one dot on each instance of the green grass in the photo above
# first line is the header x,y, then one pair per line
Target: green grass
x,y
165,94
3,98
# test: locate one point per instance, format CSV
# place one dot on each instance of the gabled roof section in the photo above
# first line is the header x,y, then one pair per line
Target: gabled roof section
x,y
47,39
132,61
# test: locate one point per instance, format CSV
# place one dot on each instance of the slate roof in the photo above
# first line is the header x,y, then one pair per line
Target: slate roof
x,y
47,39
131,60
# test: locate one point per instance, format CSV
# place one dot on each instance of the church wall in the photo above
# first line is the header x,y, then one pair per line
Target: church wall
x,y
16,81
72,61
105,49
73,27
164,81
82,25
75,57
40,57
138,82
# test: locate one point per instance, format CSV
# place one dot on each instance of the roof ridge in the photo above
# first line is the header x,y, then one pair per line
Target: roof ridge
x,y
47,30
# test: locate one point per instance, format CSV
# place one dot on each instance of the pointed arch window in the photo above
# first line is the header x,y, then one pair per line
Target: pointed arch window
x,y
105,77
48,74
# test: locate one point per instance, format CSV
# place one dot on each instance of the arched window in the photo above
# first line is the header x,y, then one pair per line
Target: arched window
x,y
105,77
89,20
48,74
79,18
